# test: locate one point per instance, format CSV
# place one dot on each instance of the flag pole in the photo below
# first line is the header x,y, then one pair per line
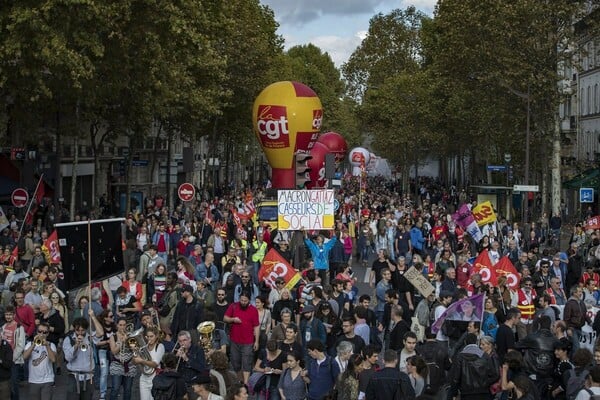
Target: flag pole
x,y
89,265
30,203
482,316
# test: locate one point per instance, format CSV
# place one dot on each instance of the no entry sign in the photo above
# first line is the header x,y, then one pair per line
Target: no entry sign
x,y
186,192
19,197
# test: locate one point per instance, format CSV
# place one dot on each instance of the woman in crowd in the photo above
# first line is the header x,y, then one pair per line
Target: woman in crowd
x,y
122,370
291,385
271,363
238,392
59,305
81,303
159,280
224,378
417,372
148,367
278,332
264,319
134,288
490,321
285,302
291,341
347,381
185,272
332,323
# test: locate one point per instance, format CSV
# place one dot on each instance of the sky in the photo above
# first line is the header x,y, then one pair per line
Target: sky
x,y
335,26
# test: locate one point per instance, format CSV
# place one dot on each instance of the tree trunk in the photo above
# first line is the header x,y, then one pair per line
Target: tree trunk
x,y
74,179
168,180
556,148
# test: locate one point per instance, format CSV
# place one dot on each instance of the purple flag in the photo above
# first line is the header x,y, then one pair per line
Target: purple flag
x,y
467,309
464,218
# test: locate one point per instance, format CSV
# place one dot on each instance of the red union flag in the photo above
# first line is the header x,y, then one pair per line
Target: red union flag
x,y
593,223
274,266
483,266
51,244
505,267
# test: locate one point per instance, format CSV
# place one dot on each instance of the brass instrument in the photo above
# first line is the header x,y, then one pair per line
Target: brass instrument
x,y
176,352
38,341
139,347
161,334
82,346
129,328
205,330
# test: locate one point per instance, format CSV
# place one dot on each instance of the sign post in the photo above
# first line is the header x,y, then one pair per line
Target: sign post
x,y
586,195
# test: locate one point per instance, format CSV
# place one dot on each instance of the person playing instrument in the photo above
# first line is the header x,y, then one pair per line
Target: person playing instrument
x,y
156,351
122,370
192,361
41,354
14,334
106,319
80,363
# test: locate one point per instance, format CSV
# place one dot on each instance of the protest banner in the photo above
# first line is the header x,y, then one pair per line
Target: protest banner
x,y
50,247
464,218
467,309
483,266
505,267
416,278
275,266
305,209
484,213
592,223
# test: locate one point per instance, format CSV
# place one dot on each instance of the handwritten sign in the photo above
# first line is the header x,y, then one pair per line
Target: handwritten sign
x,y
484,213
305,209
420,283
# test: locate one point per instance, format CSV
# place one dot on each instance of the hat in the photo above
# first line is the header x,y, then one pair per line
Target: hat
x,y
146,312
200,380
445,293
187,288
308,308
563,257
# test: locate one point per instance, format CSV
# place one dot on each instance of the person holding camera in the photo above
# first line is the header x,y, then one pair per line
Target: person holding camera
x,y
41,354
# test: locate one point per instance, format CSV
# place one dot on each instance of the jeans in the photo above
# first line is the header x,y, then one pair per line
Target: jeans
x,y
17,375
103,364
40,391
117,381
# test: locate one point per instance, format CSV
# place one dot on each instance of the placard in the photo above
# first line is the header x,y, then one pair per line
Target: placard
x,y
305,209
421,283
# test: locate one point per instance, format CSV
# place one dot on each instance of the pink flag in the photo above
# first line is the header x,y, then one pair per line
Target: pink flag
x,y
467,309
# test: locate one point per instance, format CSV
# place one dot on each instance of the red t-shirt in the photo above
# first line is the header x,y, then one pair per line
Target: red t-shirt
x,y
243,333
161,246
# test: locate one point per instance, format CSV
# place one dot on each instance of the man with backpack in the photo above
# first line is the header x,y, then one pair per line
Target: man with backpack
x,y
472,372
169,384
592,389
435,355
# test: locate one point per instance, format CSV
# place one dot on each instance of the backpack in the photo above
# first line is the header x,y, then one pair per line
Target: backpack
x,y
405,390
164,387
575,382
592,395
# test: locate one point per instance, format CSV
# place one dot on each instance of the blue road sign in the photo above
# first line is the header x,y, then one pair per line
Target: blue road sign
x,y
336,204
496,168
586,195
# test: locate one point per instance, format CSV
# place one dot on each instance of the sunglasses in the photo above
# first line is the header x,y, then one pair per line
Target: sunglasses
x,y
43,332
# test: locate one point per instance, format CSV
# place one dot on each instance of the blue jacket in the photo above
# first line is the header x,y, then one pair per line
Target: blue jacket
x,y
320,254
416,238
202,273
322,377
317,331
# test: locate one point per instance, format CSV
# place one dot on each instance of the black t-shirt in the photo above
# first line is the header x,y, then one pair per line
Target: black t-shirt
x,y
505,340
377,267
402,239
357,343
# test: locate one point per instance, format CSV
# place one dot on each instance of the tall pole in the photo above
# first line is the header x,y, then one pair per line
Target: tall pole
x,y
527,135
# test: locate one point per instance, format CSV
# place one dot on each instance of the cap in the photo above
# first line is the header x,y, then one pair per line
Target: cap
x,y
146,312
200,380
445,293
187,288
308,308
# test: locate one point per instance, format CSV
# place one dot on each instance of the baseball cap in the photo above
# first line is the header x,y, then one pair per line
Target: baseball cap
x,y
200,380
308,308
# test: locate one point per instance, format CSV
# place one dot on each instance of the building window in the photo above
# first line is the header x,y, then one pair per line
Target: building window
x,y
589,100
596,99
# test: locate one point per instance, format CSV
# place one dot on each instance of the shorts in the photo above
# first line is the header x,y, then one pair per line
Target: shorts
x,y
242,357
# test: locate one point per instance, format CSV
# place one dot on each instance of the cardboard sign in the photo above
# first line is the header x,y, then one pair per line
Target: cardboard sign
x,y
305,209
421,283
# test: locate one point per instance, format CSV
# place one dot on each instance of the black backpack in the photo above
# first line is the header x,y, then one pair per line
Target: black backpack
x,y
164,387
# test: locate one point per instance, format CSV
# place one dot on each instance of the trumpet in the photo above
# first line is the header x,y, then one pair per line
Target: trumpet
x,y
175,351
38,341
82,346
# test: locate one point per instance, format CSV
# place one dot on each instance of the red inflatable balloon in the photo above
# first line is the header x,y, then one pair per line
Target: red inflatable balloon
x,y
317,166
335,143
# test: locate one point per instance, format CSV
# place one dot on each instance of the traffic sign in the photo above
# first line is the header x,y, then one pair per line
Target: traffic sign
x,y
186,192
526,188
336,204
496,168
586,195
19,197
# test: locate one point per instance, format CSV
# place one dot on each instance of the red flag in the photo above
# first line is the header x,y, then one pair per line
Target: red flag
x,y
274,266
483,266
593,223
52,245
505,267
39,194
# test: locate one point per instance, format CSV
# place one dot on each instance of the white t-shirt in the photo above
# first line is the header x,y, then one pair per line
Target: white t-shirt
x,y
403,356
40,366
439,310
157,355
584,394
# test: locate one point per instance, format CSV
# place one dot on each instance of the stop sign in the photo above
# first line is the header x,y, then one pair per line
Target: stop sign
x,y
186,192
19,197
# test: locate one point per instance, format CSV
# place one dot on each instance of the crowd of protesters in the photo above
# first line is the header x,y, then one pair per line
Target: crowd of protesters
x,y
197,265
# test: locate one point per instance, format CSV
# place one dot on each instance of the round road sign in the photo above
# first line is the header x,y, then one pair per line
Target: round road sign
x,y
186,192
19,197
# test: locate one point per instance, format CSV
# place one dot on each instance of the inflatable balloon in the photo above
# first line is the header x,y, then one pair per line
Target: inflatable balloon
x,y
286,119
336,144
317,166
359,156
